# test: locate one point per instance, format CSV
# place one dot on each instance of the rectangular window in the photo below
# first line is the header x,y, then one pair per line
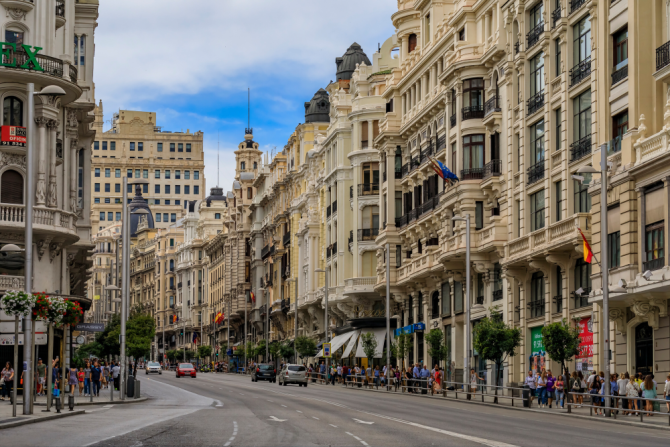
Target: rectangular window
x,y
113,145
558,193
519,153
620,125
458,297
177,174
187,175
171,147
104,145
157,173
157,189
96,145
118,216
446,299
97,172
188,147
102,215
165,217
519,218
537,210
167,173
537,143
196,175
108,200
398,256
108,187
177,189
178,202
132,146
140,146
167,189
97,187
582,40
110,216
187,189
129,173
557,50
537,74
138,173
582,115
196,189
117,187
180,147
167,201
158,217
96,200
473,153
557,118
620,41
157,201
582,198
117,173
614,249
537,299
479,215
130,191
145,173
159,147
108,172
173,217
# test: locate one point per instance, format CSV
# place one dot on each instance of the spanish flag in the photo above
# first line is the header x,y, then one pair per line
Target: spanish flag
x,y
588,254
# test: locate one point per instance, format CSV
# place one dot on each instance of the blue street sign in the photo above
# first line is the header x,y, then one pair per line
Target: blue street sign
x,y
419,327
326,350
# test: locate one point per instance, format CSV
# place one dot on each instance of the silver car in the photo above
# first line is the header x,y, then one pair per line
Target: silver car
x,y
154,367
293,374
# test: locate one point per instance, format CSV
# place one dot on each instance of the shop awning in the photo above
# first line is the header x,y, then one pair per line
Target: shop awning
x,y
337,342
380,335
352,343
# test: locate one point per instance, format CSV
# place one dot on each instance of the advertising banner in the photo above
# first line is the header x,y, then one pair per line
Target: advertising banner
x,y
584,360
13,136
537,356
8,339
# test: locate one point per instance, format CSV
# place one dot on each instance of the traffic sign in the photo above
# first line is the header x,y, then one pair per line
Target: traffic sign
x,y
326,350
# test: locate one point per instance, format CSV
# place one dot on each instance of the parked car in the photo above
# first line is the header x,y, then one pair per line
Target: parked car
x,y
293,374
185,369
153,367
264,371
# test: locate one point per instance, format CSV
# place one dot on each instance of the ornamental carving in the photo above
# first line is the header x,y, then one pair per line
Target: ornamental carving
x,y
619,318
16,13
42,246
54,250
72,121
12,160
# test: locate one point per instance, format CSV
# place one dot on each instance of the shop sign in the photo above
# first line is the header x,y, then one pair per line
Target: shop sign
x,y
419,327
538,354
8,58
13,136
584,360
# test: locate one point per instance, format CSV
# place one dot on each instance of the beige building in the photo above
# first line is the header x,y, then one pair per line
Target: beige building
x,y
136,147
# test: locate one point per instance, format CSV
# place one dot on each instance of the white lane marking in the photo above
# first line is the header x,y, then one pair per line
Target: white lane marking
x,y
362,422
274,419
284,406
298,411
218,403
333,425
357,438
314,417
270,400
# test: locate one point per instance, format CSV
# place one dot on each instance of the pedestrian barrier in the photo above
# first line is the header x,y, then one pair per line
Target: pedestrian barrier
x,y
614,408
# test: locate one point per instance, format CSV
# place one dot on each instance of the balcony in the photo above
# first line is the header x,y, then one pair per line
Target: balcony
x,y
533,36
333,249
401,221
398,173
580,149
405,169
360,285
491,106
663,56
613,146
441,144
620,74
334,207
653,264
535,102
265,252
536,308
351,192
12,282
412,215
452,120
425,154
328,211
497,295
413,164
286,239
580,71
576,4
536,172
472,174
555,16
479,300
429,205
472,112
558,299
368,234
351,237
328,253
368,189
517,47
493,168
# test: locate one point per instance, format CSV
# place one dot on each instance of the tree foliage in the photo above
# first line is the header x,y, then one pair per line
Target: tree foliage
x,y
285,350
305,346
561,342
259,351
369,342
495,341
437,349
204,351
140,331
400,348
250,349
173,354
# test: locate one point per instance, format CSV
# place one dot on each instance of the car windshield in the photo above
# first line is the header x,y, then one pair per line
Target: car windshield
x,y
265,367
296,368
185,365
154,364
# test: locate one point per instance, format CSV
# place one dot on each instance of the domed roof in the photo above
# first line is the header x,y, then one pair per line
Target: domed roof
x,y
317,110
138,203
347,63
215,194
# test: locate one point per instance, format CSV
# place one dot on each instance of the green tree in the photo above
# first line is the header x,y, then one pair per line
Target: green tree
x,y
260,349
140,331
204,351
85,351
285,351
495,341
250,349
561,342
436,347
369,342
305,346
274,351
109,338
172,355
401,347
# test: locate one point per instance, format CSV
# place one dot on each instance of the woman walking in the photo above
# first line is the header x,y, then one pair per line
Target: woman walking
x,y
473,381
560,393
551,382
542,389
7,376
649,392
595,392
73,380
633,393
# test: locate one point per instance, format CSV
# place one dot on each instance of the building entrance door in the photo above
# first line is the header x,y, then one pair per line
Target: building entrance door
x,y
644,349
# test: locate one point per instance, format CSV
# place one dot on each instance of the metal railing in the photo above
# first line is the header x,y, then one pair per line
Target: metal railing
x,y
536,172
654,264
497,295
612,146
20,60
286,239
491,105
555,16
405,170
441,143
328,211
472,174
580,71
368,234
517,47
74,73
583,299
335,207
663,56
479,300
60,8
533,35
493,167
620,74
576,4
414,164
429,205
401,221
452,120
351,192
398,173
580,148
412,215
535,102
351,237
536,308
368,189
472,112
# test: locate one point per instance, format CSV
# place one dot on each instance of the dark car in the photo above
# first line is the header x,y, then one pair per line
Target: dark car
x,y
264,372
185,369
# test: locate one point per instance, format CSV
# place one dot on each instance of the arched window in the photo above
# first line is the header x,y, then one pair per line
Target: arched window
x,y
436,305
12,111
242,166
411,43
11,187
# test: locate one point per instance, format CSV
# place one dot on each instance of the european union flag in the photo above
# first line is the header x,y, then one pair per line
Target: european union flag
x,y
444,172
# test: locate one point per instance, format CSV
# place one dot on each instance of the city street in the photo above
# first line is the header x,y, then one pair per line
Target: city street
x,y
231,410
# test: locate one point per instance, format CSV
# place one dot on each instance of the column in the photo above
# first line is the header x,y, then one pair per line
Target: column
x,y
74,161
390,188
404,106
52,138
487,24
298,272
370,133
41,190
411,97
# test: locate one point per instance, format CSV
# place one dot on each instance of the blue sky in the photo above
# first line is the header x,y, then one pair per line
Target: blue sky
x,y
191,62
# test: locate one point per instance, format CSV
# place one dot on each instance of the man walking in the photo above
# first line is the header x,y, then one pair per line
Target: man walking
x,y
95,379
425,374
322,370
41,377
115,375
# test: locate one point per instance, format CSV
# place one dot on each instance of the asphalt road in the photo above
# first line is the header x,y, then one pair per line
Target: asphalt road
x,y
227,410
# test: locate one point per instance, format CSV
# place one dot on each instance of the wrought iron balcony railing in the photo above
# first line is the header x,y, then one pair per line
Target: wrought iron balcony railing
x,y
620,74
452,120
662,56
472,174
536,308
535,102
580,71
368,234
533,35
398,174
555,17
580,148
491,106
472,112
536,172
441,144
576,4
583,299
654,264
328,212
493,167
368,189
286,239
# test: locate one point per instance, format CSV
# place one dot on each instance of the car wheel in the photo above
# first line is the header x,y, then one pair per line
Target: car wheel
x,y
160,373
305,384
147,373
285,383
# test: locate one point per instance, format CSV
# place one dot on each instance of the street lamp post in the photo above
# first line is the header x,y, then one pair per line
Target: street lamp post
x,y
295,317
466,363
125,274
388,315
325,323
265,321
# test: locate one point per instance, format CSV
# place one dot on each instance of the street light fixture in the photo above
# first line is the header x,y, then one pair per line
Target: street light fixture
x,y
325,324
466,364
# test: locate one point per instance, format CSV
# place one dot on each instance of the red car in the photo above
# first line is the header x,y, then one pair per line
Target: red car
x,y
185,369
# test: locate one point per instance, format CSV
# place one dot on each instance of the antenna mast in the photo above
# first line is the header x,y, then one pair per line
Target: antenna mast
x,y
218,151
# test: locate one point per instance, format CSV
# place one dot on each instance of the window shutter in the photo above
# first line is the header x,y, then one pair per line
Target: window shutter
x,y
11,187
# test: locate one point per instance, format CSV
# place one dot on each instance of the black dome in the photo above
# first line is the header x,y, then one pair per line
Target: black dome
x,y
216,194
317,110
137,203
347,63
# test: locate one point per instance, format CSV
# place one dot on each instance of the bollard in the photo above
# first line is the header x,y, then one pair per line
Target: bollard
x,y
70,402
58,404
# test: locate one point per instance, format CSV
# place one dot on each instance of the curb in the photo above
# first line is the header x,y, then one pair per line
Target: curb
x,y
107,402
40,419
492,405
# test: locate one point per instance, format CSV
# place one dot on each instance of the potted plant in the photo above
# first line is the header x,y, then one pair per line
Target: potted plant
x,y
73,313
41,307
17,303
56,310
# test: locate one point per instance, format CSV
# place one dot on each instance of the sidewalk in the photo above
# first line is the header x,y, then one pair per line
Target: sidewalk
x,y
7,421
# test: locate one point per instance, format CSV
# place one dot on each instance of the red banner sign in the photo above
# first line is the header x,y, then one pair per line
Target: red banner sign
x,y
13,136
584,360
